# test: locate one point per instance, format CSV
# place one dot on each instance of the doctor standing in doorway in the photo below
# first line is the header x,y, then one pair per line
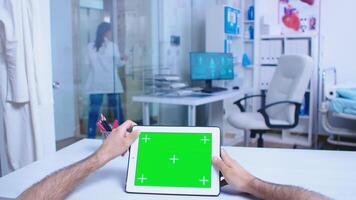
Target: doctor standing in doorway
x,y
103,58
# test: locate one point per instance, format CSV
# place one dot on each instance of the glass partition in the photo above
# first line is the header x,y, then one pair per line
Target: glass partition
x,y
104,52
115,55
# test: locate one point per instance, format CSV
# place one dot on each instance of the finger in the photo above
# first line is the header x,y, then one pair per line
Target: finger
x,y
133,136
226,158
114,131
127,124
219,164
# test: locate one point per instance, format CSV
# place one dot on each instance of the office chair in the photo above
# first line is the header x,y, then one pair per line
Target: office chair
x,y
281,104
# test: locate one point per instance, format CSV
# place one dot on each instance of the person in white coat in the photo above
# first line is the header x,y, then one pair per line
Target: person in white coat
x,y
103,60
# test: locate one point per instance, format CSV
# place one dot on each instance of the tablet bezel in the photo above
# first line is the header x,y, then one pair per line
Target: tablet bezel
x,y
215,177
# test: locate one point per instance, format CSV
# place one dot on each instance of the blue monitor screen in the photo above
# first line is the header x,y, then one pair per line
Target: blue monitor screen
x,y
211,66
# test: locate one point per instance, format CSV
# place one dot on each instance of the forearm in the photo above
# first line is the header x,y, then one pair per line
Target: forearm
x,y
265,190
61,183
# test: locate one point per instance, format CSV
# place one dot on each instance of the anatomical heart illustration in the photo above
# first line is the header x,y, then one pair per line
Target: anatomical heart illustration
x,y
310,2
299,16
290,18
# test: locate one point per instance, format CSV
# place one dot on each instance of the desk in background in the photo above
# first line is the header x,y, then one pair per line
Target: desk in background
x,y
192,102
329,172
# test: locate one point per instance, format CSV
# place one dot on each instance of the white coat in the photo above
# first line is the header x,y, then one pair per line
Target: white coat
x,y
25,68
103,64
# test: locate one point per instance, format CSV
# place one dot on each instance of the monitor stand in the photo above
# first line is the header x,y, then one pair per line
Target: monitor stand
x,y
210,89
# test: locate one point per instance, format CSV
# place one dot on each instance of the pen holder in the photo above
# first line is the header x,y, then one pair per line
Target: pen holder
x,y
105,134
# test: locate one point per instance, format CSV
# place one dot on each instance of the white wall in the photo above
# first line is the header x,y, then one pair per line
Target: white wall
x,y
338,44
199,8
184,18
174,19
337,38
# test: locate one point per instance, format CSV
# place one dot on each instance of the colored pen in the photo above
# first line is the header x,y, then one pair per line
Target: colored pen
x,y
115,123
101,128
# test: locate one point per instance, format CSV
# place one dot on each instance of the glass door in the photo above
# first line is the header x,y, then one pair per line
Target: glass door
x,y
104,51
116,54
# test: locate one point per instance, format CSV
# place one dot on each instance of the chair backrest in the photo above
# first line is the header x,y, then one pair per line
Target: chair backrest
x,y
289,83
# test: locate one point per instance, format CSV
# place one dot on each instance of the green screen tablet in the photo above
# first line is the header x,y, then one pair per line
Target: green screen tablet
x,y
174,160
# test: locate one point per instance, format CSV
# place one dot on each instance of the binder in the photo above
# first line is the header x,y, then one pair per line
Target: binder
x,y
298,46
271,50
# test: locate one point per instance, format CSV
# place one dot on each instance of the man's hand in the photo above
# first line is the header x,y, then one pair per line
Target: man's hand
x,y
118,142
242,180
234,174
61,183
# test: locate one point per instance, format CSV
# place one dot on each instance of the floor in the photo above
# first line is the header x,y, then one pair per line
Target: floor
x,y
322,144
66,142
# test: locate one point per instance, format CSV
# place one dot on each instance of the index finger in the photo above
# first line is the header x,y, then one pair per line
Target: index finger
x,y
133,136
127,124
219,164
226,158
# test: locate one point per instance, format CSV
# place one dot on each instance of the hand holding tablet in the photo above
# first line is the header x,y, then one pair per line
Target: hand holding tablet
x,y
174,160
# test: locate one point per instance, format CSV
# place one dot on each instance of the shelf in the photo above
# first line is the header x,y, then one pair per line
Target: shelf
x,y
249,67
269,65
304,116
234,36
290,36
249,21
269,37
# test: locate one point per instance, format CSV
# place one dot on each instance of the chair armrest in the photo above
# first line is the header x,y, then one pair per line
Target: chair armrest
x,y
241,107
280,126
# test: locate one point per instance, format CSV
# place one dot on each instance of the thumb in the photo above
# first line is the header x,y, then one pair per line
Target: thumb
x,y
133,136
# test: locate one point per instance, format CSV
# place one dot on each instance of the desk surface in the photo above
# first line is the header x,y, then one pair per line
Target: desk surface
x,y
332,173
192,100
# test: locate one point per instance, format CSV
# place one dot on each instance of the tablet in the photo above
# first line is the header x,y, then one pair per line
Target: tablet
x,y
174,160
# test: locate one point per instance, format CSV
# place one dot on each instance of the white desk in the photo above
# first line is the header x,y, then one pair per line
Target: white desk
x,y
332,173
191,101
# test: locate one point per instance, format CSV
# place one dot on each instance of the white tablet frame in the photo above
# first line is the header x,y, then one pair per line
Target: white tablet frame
x,y
215,177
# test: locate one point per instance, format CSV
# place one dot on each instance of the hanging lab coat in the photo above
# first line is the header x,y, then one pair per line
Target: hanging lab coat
x,y
103,64
25,66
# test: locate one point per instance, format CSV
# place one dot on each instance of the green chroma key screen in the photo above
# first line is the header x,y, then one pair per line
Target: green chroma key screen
x,y
174,160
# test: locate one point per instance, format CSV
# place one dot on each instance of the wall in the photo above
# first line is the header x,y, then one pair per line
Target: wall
x,y
2,139
184,18
337,44
62,58
174,19
337,37
199,8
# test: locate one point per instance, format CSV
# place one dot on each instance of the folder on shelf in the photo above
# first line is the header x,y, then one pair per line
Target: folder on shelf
x,y
297,46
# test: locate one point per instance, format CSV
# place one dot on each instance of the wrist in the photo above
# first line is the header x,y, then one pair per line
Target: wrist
x,y
248,182
101,158
251,186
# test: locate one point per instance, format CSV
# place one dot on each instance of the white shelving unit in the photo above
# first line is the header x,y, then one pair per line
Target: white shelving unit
x,y
302,134
258,74
264,70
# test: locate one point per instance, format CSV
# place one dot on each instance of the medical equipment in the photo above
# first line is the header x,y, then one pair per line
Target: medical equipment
x,y
334,105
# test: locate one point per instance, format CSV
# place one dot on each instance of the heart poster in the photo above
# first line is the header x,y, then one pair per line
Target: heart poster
x,y
299,16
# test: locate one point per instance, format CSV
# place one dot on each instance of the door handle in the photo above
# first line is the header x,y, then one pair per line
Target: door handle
x,y
56,85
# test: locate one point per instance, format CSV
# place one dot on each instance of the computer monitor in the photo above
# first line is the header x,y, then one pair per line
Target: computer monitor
x,y
210,66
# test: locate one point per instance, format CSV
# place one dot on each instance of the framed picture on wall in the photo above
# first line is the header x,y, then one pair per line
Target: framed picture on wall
x,y
299,16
